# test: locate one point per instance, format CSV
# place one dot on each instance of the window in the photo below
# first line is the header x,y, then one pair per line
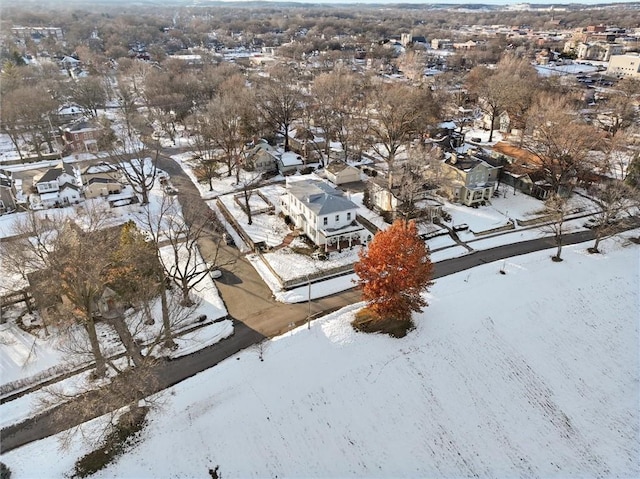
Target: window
x,y
337,218
325,221
348,216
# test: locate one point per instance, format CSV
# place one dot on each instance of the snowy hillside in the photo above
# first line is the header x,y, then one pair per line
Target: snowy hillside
x,y
532,373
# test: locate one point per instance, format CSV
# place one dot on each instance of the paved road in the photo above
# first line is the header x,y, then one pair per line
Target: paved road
x,y
257,315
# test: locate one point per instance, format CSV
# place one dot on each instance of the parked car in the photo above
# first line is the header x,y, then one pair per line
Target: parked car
x,y
170,190
216,273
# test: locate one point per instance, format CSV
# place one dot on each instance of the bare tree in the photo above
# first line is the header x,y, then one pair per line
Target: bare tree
x,y
248,184
89,93
561,142
180,232
280,101
26,116
615,200
134,150
617,111
401,113
230,122
336,106
557,210
67,269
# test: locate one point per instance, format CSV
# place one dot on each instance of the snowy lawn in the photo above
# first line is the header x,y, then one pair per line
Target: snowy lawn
x,y
508,384
221,186
291,265
269,228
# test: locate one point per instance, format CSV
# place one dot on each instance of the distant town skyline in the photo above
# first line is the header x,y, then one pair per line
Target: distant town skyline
x,y
447,2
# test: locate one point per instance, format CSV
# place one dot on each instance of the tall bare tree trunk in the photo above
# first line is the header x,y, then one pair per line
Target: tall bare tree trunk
x,y
90,327
131,346
166,324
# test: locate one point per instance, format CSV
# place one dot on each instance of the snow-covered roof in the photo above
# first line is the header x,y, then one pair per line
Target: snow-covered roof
x,y
336,167
82,125
290,158
100,168
319,197
49,196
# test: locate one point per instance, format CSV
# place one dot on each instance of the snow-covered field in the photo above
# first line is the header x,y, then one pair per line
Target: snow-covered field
x,y
529,374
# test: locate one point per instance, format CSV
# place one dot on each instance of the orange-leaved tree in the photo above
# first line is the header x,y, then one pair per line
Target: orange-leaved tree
x,y
394,272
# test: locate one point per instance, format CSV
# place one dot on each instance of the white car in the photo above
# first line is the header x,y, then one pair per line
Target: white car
x,y
216,273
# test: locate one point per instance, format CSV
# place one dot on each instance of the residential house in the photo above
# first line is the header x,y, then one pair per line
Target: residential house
x,y
339,172
101,170
289,162
57,186
304,142
471,179
102,179
7,192
68,113
390,201
82,136
323,213
522,170
96,187
262,157
441,44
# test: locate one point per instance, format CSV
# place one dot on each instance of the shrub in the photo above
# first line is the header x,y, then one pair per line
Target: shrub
x,y
368,322
114,445
5,472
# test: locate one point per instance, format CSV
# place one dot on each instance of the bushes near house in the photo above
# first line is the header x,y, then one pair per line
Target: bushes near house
x,y
5,472
367,322
114,445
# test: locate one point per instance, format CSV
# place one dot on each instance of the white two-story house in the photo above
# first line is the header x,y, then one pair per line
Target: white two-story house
x,y
322,213
57,186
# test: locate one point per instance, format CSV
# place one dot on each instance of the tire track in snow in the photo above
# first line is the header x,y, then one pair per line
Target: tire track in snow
x,y
517,370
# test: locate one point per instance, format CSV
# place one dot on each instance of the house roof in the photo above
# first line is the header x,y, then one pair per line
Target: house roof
x,y
69,185
290,158
101,180
463,162
82,125
336,167
101,167
319,197
506,149
53,174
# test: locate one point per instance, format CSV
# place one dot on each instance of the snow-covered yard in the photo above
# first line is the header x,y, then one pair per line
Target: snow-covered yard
x,y
29,360
267,227
536,384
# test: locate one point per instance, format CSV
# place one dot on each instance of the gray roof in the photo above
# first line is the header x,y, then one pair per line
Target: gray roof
x,y
69,185
319,197
100,180
338,166
101,167
51,174
54,173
